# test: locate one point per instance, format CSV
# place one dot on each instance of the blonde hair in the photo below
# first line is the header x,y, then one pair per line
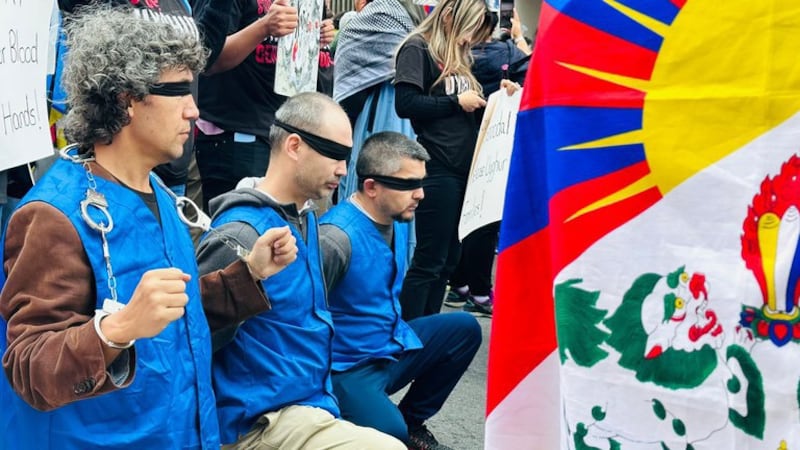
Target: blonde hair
x,y
465,17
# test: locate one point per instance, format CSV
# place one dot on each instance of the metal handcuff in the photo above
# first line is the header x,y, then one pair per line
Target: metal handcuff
x,y
96,201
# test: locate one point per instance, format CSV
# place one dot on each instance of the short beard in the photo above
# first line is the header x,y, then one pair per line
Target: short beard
x,y
401,219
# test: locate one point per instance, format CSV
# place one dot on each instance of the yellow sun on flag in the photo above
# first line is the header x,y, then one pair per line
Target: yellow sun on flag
x,y
704,102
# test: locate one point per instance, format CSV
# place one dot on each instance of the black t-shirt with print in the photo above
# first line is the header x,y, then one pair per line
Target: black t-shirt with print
x,y
449,139
243,99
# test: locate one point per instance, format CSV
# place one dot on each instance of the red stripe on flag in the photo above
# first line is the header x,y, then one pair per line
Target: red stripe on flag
x,y
577,235
679,3
523,322
576,197
566,40
573,237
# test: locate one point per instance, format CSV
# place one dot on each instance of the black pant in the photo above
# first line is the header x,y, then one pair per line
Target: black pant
x,y
477,258
438,248
224,162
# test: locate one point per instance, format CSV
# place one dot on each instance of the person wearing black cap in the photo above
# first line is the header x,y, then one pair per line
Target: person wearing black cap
x,y
273,378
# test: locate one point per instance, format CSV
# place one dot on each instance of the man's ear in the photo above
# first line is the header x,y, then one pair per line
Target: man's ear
x,y
125,99
370,188
291,146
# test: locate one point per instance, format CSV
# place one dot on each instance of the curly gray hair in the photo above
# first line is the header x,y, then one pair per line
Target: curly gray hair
x,y
115,57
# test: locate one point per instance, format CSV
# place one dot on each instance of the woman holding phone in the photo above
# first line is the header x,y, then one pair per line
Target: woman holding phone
x,y
435,88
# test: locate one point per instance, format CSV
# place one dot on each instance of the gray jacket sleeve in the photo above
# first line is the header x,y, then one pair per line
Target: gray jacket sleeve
x,y
336,251
234,296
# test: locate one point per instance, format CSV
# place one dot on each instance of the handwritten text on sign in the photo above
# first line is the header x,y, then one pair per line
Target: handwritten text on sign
x,y
24,37
486,186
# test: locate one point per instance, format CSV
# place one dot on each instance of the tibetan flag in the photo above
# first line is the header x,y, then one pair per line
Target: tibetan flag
x,y
647,281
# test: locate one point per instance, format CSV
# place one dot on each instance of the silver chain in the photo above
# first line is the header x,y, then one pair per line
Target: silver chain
x,y
112,281
96,200
203,222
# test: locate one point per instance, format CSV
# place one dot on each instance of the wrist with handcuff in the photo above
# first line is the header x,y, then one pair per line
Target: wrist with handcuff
x,y
109,306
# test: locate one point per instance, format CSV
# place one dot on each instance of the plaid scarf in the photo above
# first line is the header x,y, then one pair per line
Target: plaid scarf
x,y
367,43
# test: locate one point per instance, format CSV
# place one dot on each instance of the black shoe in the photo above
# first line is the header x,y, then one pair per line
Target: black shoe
x,y
422,439
454,299
479,309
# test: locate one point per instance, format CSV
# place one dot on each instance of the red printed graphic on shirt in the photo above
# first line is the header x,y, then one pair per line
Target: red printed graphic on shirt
x,y
263,6
267,52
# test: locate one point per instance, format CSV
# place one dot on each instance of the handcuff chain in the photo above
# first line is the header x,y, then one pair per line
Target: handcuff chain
x,y
97,200
203,222
241,251
112,281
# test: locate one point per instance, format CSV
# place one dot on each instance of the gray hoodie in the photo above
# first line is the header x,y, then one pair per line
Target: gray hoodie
x,y
213,254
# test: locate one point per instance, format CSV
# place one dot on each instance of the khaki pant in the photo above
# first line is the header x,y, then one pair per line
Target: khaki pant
x,y
306,427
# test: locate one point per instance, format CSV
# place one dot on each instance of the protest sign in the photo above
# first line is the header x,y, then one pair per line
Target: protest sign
x,y
486,186
298,52
24,38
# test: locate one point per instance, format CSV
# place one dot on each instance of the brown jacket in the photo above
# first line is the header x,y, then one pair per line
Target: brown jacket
x,y
54,356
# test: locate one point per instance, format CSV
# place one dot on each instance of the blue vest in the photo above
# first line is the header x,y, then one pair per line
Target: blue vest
x,y
364,304
280,357
169,404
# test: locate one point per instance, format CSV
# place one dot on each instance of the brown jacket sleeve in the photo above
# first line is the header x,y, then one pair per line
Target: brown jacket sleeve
x,y
54,356
231,295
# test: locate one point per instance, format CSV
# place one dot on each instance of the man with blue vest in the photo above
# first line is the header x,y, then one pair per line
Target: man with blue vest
x,y
105,340
273,381
375,352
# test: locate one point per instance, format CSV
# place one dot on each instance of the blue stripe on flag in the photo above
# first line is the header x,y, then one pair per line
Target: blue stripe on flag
x,y
602,16
539,169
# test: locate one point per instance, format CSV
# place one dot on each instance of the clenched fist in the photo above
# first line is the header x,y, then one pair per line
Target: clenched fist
x,y
158,300
272,252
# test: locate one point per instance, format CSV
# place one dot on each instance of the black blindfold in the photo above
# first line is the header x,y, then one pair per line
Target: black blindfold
x,y
321,145
398,184
171,89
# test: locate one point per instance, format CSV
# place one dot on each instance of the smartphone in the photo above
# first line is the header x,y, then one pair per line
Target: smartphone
x,y
506,12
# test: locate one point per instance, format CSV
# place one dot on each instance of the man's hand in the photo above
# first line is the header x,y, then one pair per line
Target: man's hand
x,y
158,300
281,18
470,101
326,32
272,252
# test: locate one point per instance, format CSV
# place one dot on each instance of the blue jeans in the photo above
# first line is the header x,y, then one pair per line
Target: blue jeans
x,y
450,342
223,162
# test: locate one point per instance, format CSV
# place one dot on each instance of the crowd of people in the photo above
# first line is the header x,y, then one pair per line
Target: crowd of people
x,y
300,306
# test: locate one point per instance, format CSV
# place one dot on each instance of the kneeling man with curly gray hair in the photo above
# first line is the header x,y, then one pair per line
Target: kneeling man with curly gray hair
x,y
105,340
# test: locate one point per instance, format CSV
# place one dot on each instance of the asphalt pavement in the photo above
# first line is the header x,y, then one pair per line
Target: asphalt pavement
x,y
460,422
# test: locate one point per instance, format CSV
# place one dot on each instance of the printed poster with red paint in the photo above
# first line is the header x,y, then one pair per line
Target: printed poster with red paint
x,y
298,52
647,281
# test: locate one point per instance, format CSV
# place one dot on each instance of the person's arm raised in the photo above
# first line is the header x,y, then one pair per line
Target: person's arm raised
x,y
280,20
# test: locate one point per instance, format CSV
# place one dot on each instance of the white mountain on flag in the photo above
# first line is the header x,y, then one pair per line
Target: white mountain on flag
x,y
667,327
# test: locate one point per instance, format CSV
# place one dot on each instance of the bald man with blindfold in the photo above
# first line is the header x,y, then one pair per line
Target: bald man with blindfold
x,y
272,374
